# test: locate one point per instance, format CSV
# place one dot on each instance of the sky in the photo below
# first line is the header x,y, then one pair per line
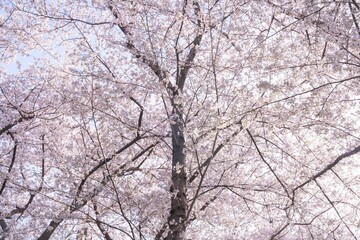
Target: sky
x,y
25,61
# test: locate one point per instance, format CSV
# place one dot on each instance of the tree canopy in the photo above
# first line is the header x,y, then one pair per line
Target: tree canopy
x,y
186,119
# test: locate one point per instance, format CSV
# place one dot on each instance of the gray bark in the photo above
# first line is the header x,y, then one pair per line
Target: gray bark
x,y
50,229
179,206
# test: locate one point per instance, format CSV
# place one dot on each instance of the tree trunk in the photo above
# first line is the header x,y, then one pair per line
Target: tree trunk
x,y
179,205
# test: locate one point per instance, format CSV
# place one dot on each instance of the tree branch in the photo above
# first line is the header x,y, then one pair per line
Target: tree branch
x,y
329,167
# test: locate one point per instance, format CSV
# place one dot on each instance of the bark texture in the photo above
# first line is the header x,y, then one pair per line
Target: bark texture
x,y
179,207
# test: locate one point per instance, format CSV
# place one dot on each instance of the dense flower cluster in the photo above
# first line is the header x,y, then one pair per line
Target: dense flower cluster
x,y
182,119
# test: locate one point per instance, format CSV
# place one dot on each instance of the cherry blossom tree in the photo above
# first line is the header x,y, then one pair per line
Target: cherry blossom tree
x,y
179,119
